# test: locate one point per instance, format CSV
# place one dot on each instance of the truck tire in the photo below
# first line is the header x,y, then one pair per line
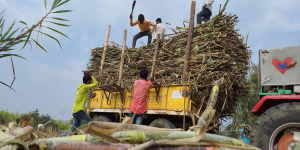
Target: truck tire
x,y
162,123
101,118
274,123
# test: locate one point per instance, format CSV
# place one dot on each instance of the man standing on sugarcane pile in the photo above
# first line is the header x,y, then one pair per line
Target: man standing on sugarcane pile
x,y
79,110
159,30
144,25
138,106
206,12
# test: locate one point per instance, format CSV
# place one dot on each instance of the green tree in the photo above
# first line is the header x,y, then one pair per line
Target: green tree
x,y
11,37
242,114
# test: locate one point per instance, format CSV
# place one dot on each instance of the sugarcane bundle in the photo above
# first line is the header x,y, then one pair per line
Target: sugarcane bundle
x,y
218,53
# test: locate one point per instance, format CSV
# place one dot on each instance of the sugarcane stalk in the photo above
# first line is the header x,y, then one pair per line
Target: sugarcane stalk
x,y
176,138
109,127
208,113
76,145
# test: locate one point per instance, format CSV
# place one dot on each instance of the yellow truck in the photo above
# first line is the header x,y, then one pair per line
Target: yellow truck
x,y
170,106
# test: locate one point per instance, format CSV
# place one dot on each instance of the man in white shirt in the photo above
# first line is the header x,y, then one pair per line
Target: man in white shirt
x,y
206,12
159,30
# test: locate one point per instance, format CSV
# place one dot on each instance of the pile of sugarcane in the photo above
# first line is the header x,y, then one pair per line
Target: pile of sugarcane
x,y
218,53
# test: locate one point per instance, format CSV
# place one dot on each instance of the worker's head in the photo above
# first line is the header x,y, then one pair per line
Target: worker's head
x,y
141,18
87,79
17,120
158,20
144,73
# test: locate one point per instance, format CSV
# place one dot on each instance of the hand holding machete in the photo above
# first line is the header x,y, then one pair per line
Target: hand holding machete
x,y
133,4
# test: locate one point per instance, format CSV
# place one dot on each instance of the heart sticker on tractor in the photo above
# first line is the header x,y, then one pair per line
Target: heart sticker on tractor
x,y
281,65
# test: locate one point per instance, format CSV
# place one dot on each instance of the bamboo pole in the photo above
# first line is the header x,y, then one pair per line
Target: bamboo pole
x,y
155,56
122,58
189,43
104,52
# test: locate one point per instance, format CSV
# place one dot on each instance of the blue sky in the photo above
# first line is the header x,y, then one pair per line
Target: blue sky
x,y
48,81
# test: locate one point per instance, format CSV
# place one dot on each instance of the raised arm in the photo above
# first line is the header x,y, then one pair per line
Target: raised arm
x,y
132,23
92,85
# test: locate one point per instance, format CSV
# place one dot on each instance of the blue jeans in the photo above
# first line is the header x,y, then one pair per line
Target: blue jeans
x,y
205,13
138,118
139,35
79,118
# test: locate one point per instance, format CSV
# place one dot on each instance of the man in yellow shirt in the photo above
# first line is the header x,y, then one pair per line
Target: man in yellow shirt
x,y
145,29
79,110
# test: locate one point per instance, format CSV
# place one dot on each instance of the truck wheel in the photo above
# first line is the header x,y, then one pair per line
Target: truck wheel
x,y
275,125
101,118
162,123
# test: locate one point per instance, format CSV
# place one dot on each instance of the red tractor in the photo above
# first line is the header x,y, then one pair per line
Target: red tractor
x,y
278,125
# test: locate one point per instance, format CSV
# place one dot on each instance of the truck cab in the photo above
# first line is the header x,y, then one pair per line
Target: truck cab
x,y
278,125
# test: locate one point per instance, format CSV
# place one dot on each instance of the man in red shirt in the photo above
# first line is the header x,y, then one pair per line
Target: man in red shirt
x,y
138,106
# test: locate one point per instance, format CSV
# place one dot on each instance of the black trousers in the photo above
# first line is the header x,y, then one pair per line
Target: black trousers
x,y
139,35
205,13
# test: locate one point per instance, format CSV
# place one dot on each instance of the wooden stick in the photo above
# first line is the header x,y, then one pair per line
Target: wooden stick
x,y
155,56
189,43
122,58
104,52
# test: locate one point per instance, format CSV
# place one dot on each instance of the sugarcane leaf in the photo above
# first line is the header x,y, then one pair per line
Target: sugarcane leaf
x,y
5,49
8,30
60,24
62,3
57,31
12,33
54,4
16,42
45,3
23,23
38,44
7,55
63,11
61,19
7,85
52,38
26,41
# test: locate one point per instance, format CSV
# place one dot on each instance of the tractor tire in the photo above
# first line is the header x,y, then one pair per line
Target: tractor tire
x,y
162,123
101,118
274,123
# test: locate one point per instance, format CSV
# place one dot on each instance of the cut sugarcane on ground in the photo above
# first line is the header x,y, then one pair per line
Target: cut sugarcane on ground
x,y
218,53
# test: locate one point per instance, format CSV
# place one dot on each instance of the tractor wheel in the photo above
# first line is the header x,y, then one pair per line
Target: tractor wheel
x,y
273,128
162,123
101,118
